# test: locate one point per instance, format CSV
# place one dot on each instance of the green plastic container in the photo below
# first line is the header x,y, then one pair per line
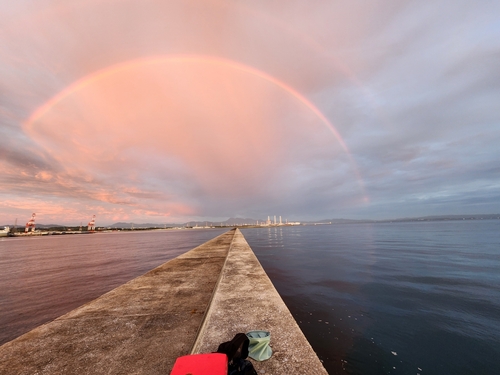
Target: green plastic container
x,y
259,348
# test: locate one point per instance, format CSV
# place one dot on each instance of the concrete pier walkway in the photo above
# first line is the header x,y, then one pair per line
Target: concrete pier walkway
x,y
188,305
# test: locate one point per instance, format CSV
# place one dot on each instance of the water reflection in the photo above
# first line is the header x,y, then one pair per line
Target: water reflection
x,y
275,237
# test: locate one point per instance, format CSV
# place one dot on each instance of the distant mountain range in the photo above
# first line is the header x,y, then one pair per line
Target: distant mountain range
x,y
229,222
447,218
247,221
422,218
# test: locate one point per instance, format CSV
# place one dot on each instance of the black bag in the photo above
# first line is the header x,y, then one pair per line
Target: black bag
x,y
240,367
236,351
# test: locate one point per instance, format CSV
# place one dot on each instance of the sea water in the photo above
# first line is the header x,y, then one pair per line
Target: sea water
x,y
384,298
391,298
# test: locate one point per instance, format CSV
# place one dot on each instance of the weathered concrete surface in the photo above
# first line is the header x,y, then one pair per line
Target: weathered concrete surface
x,y
246,300
139,328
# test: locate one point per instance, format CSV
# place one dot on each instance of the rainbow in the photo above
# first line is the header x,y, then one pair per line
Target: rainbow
x,y
201,59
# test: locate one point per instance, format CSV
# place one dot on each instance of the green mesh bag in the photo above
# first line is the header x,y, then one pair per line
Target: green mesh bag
x,y
259,348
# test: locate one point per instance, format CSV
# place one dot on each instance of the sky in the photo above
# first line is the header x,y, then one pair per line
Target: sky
x,y
159,111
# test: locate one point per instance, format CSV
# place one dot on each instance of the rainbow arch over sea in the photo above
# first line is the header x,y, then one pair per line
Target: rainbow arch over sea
x,y
88,80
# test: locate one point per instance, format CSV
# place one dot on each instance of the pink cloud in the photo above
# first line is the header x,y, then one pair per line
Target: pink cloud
x,y
178,131
175,138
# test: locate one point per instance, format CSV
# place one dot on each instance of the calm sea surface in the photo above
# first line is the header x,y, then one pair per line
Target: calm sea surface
x,y
395,298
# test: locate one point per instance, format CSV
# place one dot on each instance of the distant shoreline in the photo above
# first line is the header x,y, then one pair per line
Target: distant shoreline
x,y
53,229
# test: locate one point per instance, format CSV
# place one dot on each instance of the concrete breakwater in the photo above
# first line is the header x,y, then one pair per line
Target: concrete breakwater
x,y
187,305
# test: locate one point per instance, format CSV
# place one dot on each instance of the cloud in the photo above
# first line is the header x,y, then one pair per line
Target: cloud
x,y
409,88
188,134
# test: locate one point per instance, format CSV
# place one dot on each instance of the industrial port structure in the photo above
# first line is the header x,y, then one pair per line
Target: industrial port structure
x,y
30,229
280,223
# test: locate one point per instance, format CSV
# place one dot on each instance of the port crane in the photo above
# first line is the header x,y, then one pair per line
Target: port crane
x,y
91,224
30,224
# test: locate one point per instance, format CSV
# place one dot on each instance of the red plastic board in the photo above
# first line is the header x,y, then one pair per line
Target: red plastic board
x,y
201,364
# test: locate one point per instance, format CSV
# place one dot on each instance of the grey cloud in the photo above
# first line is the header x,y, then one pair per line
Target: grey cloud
x,y
19,156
